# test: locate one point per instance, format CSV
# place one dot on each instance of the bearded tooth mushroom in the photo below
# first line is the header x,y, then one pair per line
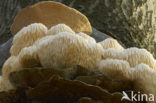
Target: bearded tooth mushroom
x,y
142,76
59,28
69,50
143,79
112,53
111,43
5,85
27,36
114,68
137,56
34,44
12,64
133,56
26,58
89,38
58,51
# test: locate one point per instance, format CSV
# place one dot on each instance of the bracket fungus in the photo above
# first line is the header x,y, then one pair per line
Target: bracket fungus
x,y
141,76
134,56
59,28
60,40
69,49
114,68
132,64
144,79
111,43
27,36
51,13
86,37
64,50
58,48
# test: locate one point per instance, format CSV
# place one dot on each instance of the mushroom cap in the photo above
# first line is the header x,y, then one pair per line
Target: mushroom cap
x,y
65,49
59,28
61,51
28,57
85,36
12,64
51,13
137,56
133,56
114,68
112,53
144,79
111,43
27,36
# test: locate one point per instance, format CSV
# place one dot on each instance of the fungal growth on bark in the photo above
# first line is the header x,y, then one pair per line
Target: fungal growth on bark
x,y
61,50
61,40
142,76
59,28
27,36
86,37
59,14
133,55
111,43
114,68
68,49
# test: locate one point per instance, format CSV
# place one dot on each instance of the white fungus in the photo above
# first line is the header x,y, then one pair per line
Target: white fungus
x,y
116,69
111,43
27,36
89,38
59,28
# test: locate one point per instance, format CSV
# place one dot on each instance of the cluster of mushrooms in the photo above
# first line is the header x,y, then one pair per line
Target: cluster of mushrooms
x,y
61,40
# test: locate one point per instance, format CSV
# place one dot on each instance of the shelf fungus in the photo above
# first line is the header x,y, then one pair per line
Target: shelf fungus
x,y
51,13
59,28
86,37
27,36
60,39
57,48
141,76
111,43
133,55
114,68
132,64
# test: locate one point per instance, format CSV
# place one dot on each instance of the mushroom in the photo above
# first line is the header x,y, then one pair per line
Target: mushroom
x,y
111,53
59,28
137,56
114,68
33,41
62,50
12,64
142,76
111,43
144,79
27,36
133,56
51,13
86,37
65,49
65,44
